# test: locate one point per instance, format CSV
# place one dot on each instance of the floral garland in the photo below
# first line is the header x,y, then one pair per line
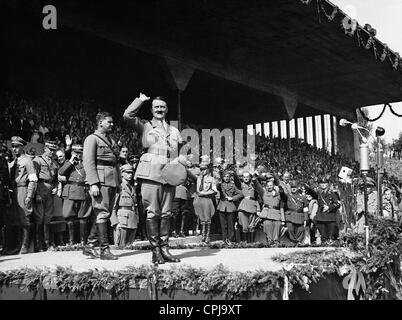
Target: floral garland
x,y
343,242
216,282
380,265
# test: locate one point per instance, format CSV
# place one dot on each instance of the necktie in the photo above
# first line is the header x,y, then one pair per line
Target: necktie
x,y
202,184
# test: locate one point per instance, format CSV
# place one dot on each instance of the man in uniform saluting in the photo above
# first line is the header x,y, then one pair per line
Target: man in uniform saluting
x,y
296,218
125,213
100,158
328,205
24,182
75,194
160,140
47,168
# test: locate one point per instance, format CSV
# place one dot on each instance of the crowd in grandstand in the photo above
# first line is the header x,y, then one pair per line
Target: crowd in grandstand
x,y
291,191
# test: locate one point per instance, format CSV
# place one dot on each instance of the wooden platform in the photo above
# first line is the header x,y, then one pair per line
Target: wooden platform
x,y
235,259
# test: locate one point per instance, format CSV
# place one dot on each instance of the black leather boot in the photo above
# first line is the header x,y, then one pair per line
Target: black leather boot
x,y
203,232
153,237
38,245
164,241
182,225
83,231
245,236
26,239
70,226
173,224
89,249
207,232
48,238
252,236
105,253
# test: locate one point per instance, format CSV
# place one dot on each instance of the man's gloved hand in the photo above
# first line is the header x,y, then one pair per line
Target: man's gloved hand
x,y
144,97
94,190
28,203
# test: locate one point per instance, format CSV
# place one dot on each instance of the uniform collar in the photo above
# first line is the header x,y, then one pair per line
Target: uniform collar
x,y
157,124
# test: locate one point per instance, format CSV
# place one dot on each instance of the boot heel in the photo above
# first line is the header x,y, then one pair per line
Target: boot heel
x,y
157,257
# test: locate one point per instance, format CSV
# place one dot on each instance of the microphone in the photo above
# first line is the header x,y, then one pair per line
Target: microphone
x,y
344,122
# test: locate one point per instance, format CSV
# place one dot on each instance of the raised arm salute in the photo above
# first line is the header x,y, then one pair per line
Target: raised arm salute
x,y
160,142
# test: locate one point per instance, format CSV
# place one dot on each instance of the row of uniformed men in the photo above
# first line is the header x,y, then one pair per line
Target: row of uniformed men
x,y
33,185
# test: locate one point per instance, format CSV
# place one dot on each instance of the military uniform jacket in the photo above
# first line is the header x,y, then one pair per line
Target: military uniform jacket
x,y
295,208
273,205
228,190
47,169
206,186
74,187
249,203
5,181
286,187
160,141
100,160
125,208
181,192
24,174
331,200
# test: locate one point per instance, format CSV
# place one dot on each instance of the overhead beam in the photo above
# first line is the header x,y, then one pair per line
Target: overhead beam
x,y
162,48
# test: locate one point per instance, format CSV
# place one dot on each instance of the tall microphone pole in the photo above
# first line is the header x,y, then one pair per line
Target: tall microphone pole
x,y
364,168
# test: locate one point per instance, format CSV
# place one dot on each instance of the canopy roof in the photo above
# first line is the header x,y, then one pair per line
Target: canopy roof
x,y
247,61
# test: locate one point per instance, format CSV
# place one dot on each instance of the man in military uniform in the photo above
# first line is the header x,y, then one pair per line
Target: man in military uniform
x,y
296,218
181,205
328,205
125,214
160,140
5,199
24,182
47,187
75,195
285,183
229,195
100,159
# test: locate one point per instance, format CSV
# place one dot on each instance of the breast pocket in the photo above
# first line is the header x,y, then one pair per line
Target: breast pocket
x,y
122,216
144,168
101,175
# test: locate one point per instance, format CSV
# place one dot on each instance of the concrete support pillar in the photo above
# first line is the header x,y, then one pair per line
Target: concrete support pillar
x,y
323,131
331,121
314,133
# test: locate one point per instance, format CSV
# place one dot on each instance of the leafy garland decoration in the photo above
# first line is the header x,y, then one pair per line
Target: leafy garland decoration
x,y
380,115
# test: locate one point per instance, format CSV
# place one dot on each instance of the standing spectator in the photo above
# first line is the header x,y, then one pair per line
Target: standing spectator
x,y
248,207
124,217
100,157
272,214
228,195
328,205
312,198
296,218
24,181
75,197
47,187
203,204
389,206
